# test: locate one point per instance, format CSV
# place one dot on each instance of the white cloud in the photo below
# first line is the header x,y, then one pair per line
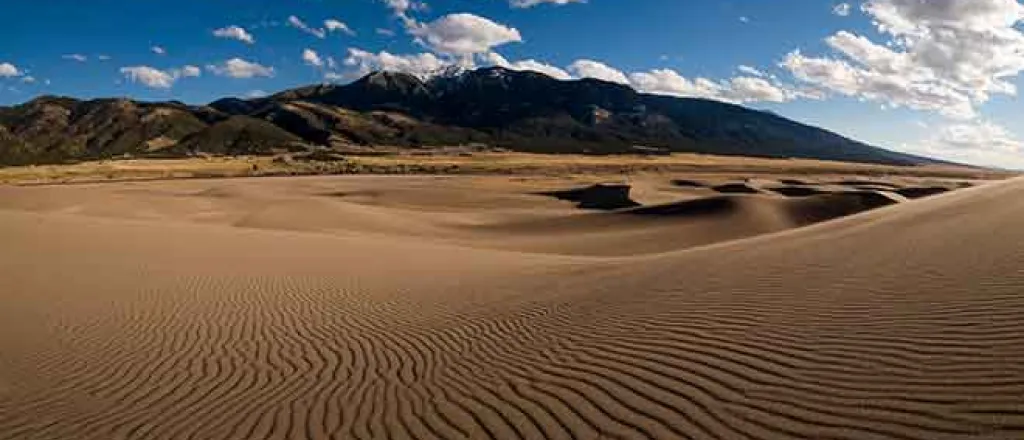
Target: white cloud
x,y
149,76
463,34
256,94
744,19
188,71
234,33
311,58
384,32
842,9
239,68
532,3
597,70
159,79
740,89
753,71
422,65
945,56
28,79
297,23
527,65
979,142
401,7
158,50
102,57
75,57
747,89
333,25
8,70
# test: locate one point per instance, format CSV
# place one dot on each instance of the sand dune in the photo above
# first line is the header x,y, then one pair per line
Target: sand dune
x,y
446,308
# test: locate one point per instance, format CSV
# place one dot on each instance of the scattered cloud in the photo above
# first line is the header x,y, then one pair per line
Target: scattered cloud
x,y
384,32
738,90
532,3
158,50
297,23
75,57
744,19
402,7
332,25
422,65
103,57
842,9
980,141
239,68
8,70
28,79
945,56
311,58
156,78
188,71
256,94
149,76
463,34
597,70
752,71
234,33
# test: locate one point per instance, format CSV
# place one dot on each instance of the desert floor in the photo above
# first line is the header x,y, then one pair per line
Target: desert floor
x,y
654,306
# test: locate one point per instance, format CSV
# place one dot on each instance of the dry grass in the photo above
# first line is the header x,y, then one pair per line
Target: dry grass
x,y
477,163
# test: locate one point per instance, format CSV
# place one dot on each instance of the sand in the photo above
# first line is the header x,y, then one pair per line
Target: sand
x,y
428,307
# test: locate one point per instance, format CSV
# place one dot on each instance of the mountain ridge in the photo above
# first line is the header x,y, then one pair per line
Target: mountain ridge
x,y
497,107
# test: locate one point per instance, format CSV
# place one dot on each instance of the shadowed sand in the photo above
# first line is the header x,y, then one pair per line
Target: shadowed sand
x,y
475,308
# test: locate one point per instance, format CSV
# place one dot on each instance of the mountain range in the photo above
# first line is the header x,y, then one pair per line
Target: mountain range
x,y
492,107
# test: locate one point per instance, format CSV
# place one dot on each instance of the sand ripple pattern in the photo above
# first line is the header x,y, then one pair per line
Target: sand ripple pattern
x,y
917,339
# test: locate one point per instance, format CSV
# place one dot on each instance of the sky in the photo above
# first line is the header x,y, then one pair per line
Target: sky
x,y
932,77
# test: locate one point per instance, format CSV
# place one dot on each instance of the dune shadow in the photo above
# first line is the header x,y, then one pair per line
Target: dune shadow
x,y
921,192
736,188
603,197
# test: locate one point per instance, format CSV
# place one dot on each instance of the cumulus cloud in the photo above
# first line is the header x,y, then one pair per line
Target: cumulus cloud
x,y
463,34
842,9
738,90
148,76
157,78
422,65
158,50
532,3
980,141
239,68
8,70
332,25
597,70
234,33
188,71
944,56
75,57
311,58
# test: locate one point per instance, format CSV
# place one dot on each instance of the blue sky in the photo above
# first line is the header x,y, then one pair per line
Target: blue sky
x,y
872,70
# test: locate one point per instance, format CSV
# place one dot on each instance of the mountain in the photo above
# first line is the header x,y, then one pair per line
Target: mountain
x,y
516,110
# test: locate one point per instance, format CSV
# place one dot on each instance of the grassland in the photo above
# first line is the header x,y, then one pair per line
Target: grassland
x,y
464,163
